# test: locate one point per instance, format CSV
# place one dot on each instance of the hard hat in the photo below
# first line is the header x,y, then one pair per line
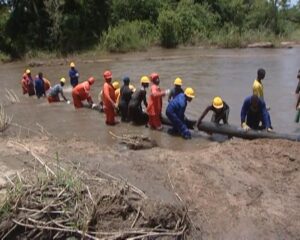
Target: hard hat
x,y
91,80
218,103
132,88
189,92
72,64
116,84
154,76
107,75
145,79
63,80
28,71
178,82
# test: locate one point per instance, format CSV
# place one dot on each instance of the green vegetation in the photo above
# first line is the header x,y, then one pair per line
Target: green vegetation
x,y
68,26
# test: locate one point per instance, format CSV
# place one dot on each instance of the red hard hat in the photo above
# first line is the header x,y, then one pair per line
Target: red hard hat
x,y
154,76
107,75
91,80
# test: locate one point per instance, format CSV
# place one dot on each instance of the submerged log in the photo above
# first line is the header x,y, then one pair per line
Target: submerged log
x,y
233,131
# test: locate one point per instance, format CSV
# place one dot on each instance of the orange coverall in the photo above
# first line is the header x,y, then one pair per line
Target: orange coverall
x,y
109,99
80,93
155,106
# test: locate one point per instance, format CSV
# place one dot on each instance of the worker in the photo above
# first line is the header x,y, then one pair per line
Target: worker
x,y
258,88
175,113
116,85
74,75
125,97
220,111
176,90
39,85
155,103
298,86
82,92
109,99
47,85
57,89
28,83
135,110
253,113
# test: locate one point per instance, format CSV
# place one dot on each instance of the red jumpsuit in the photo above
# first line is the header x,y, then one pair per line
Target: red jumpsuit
x,y
80,93
24,83
109,98
155,106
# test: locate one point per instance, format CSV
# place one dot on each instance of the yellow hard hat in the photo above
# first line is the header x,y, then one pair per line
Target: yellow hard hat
x,y
63,80
218,103
178,81
28,71
132,88
145,79
189,92
72,64
116,84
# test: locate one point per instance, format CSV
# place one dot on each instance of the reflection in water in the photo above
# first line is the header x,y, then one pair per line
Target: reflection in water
x,y
211,72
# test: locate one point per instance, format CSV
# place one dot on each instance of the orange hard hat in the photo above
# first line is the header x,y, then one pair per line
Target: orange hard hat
x,y
154,76
107,75
91,80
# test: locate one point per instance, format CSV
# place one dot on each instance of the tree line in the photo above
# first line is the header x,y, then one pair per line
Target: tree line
x,y
67,26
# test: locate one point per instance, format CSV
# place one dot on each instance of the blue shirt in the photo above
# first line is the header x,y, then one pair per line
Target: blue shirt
x,y
252,118
54,91
39,87
178,106
73,74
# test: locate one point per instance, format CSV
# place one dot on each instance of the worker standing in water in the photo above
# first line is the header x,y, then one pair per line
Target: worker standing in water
x,y
74,75
28,83
116,85
57,90
258,88
298,85
109,99
40,86
155,103
220,111
175,113
176,90
253,113
82,92
125,97
135,109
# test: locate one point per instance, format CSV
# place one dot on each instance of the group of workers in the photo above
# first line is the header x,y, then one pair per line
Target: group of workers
x,y
127,101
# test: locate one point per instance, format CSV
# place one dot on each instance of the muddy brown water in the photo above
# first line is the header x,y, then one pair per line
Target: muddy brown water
x,y
211,72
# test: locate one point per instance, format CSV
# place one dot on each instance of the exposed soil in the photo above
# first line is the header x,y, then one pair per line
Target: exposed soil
x,y
234,190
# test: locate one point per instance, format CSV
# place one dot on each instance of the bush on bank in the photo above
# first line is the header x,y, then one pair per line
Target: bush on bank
x,y
129,36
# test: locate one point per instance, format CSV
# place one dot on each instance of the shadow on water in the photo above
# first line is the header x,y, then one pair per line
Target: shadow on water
x,y
211,72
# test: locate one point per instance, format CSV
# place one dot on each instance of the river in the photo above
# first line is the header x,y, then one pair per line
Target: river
x,y
211,72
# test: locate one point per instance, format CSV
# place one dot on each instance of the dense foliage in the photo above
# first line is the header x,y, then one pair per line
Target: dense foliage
x,y
66,26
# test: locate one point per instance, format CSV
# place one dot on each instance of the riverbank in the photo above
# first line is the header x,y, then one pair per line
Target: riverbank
x,y
230,194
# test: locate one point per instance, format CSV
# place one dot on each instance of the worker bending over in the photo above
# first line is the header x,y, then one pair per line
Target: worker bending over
x,y
57,90
175,112
220,111
82,92
253,113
